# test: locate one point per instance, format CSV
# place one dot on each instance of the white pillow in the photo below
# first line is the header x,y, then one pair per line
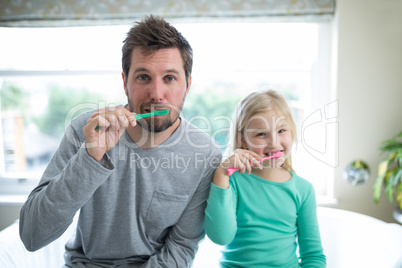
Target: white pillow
x,y
352,240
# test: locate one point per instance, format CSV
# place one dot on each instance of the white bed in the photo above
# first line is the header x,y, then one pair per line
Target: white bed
x,y
350,240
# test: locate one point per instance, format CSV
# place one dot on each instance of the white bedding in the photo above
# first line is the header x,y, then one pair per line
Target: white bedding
x,y
353,240
14,255
350,240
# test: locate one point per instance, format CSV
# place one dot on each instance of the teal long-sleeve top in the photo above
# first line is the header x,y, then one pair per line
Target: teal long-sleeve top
x,y
262,223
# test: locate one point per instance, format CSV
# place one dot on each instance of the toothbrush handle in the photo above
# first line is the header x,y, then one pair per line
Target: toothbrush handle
x,y
230,171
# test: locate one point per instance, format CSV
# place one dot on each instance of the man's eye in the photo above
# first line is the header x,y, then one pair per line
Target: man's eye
x,y
170,78
142,77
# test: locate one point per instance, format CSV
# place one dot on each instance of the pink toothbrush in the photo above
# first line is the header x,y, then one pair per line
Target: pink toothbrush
x,y
275,155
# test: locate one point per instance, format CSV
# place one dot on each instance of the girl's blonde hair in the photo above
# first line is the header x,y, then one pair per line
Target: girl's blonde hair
x,y
256,102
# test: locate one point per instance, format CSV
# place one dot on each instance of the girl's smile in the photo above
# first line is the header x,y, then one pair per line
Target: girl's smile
x,y
266,134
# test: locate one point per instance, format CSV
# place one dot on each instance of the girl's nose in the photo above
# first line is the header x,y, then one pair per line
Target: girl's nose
x,y
272,142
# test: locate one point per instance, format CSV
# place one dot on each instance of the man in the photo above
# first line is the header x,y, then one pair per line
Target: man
x,y
140,186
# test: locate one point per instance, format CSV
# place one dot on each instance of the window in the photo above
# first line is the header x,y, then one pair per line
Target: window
x,y
50,75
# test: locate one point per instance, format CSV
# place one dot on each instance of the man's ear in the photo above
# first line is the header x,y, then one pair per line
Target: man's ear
x,y
124,83
188,85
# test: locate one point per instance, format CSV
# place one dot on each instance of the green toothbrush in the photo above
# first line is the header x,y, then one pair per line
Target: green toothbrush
x,y
154,113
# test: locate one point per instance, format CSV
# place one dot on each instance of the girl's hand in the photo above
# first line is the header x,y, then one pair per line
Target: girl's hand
x,y
112,122
242,159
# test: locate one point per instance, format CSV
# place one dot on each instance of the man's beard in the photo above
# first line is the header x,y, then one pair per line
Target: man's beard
x,y
158,124
155,124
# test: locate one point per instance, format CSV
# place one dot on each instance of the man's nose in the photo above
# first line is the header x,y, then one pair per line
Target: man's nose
x,y
157,91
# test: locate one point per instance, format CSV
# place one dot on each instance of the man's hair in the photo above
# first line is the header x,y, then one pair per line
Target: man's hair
x,y
153,34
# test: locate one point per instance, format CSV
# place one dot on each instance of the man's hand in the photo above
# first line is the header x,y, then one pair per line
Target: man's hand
x,y
112,122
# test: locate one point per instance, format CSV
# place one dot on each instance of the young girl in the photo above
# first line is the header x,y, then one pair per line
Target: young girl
x,y
264,211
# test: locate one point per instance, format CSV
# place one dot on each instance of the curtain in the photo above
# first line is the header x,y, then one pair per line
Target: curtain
x,y
37,13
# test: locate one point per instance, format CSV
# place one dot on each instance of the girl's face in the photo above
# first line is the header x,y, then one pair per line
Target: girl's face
x,y
267,133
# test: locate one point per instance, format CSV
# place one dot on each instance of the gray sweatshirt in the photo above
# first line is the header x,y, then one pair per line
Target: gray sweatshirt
x,y
137,208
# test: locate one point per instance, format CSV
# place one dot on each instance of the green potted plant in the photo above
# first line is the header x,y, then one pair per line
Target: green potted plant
x,y
390,173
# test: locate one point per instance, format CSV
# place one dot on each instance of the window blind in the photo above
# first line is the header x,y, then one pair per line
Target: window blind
x,y
48,13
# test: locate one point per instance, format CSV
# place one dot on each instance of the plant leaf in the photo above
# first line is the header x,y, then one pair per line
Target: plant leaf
x,y
377,189
390,170
391,184
382,168
391,146
399,196
395,179
389,189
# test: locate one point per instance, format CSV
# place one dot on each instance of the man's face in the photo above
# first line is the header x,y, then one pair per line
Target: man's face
x,y
156,82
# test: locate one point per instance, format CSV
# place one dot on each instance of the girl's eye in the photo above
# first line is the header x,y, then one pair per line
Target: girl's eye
x,y
282,131
261,135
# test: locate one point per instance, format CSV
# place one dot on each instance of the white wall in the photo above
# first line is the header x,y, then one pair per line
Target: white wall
x,y
368,80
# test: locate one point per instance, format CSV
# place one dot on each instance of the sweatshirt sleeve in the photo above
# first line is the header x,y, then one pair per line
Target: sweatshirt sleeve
x,y
70,179
220,215
311,251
